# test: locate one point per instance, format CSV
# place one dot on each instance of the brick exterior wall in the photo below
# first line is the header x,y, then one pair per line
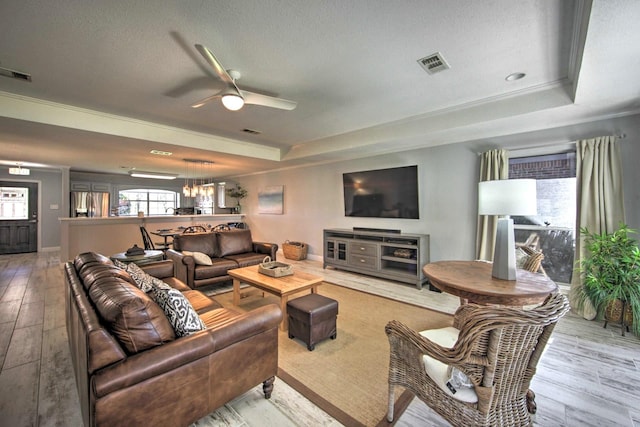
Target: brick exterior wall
x,y
543,167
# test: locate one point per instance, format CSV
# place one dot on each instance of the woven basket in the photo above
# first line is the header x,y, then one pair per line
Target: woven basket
x,y
275,268
294,250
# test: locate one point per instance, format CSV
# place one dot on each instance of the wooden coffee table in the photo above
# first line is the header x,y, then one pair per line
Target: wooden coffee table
x,y
281,287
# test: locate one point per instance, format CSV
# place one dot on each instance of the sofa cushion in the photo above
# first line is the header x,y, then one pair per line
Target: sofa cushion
x,y
200,302
218,267
132,316
198,242
217,318
178,309
247,259
94,272
234,242
89,258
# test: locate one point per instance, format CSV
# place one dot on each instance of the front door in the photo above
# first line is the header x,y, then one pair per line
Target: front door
x,y
18,217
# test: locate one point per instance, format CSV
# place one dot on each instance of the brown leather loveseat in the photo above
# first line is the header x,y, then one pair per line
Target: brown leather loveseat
x,y
131,366
203,259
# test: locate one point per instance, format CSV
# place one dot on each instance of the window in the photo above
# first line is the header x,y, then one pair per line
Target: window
x,y
552,229
14,203
149,201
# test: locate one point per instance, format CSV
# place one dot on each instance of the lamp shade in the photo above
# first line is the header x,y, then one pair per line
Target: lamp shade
x,y
507,197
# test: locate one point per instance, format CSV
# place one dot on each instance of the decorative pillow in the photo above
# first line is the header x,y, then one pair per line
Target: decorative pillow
x,y
143,280
178,310
199,257
440,372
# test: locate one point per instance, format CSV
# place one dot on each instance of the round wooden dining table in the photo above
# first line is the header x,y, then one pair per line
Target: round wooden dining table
x,y
472,281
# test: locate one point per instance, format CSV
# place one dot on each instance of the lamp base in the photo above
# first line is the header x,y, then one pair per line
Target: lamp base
x,y
504,256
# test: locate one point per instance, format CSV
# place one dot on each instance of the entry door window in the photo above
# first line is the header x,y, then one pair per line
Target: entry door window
x,y
14,203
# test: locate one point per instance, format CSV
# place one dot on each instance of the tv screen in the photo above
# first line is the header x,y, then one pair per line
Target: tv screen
x,y
382,193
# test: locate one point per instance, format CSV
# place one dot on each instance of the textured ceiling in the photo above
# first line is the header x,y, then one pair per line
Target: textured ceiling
x,y
116,79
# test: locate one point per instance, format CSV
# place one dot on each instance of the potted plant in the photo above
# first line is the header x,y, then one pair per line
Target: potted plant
x,y
237,193
611,276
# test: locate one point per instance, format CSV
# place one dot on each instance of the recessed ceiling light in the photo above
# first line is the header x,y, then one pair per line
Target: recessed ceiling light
x,y
161,153
515,76
152,175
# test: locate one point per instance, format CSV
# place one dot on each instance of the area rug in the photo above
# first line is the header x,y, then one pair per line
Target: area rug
x,y
220,288
347,377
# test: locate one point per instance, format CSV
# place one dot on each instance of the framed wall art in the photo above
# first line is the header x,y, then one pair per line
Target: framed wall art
x,y
270,200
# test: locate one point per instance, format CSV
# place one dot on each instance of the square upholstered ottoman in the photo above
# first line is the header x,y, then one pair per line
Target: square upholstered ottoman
x,y
312,318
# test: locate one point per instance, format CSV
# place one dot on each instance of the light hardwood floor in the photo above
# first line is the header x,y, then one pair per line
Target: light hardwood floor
x,y
588,375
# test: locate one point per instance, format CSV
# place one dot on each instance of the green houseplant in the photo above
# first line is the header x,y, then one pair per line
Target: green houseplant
x,y
611,274
237,193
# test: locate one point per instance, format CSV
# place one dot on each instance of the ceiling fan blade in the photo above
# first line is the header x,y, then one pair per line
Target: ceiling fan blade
x,y
205,100
215,64
267,101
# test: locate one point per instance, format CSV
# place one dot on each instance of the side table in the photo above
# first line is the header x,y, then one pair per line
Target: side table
x,y
149,256
472,281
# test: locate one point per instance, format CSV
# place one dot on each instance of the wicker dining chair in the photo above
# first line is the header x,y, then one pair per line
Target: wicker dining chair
x,y
497,348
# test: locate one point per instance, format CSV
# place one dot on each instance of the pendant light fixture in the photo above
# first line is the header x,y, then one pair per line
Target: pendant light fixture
x,y
196,184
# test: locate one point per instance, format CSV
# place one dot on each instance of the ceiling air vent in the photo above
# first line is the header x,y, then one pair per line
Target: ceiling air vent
x,y
15,74
433,63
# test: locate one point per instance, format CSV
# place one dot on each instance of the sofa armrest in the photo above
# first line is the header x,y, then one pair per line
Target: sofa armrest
x,y
183,266
182,351
266,248
159,269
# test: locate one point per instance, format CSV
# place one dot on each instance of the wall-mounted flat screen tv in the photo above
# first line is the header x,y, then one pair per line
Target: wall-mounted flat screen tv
x,y
382,193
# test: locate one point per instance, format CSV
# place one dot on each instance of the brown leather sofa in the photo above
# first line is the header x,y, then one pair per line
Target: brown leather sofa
x,y
224,250
130,367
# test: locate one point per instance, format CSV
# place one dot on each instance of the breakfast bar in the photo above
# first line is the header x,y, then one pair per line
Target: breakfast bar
x,y
110,235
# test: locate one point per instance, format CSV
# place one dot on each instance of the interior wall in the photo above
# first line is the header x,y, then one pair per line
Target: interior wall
x,y
313,196
313,201
630,153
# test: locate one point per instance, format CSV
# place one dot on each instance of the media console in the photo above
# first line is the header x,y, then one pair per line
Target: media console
x,y
385,253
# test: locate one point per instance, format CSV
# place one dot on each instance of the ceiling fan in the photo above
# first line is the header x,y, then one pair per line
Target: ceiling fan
x,y
232,97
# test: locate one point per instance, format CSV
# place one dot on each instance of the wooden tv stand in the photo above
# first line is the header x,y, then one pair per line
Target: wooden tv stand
x,y
394,256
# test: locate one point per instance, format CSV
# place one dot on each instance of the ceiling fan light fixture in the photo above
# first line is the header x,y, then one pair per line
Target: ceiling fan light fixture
x,y
232,102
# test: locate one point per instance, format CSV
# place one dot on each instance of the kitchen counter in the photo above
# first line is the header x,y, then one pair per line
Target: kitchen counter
x,y
108,235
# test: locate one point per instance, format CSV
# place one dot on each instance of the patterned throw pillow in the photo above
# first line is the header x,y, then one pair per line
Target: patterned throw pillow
x,y
142,279
178,310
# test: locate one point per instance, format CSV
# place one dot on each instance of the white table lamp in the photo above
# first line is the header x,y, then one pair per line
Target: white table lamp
x,y
506,197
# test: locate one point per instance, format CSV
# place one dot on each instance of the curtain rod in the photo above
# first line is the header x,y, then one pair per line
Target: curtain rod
x,y
621,135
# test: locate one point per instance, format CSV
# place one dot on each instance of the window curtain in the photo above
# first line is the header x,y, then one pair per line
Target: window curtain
x,y
600,205
494,164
